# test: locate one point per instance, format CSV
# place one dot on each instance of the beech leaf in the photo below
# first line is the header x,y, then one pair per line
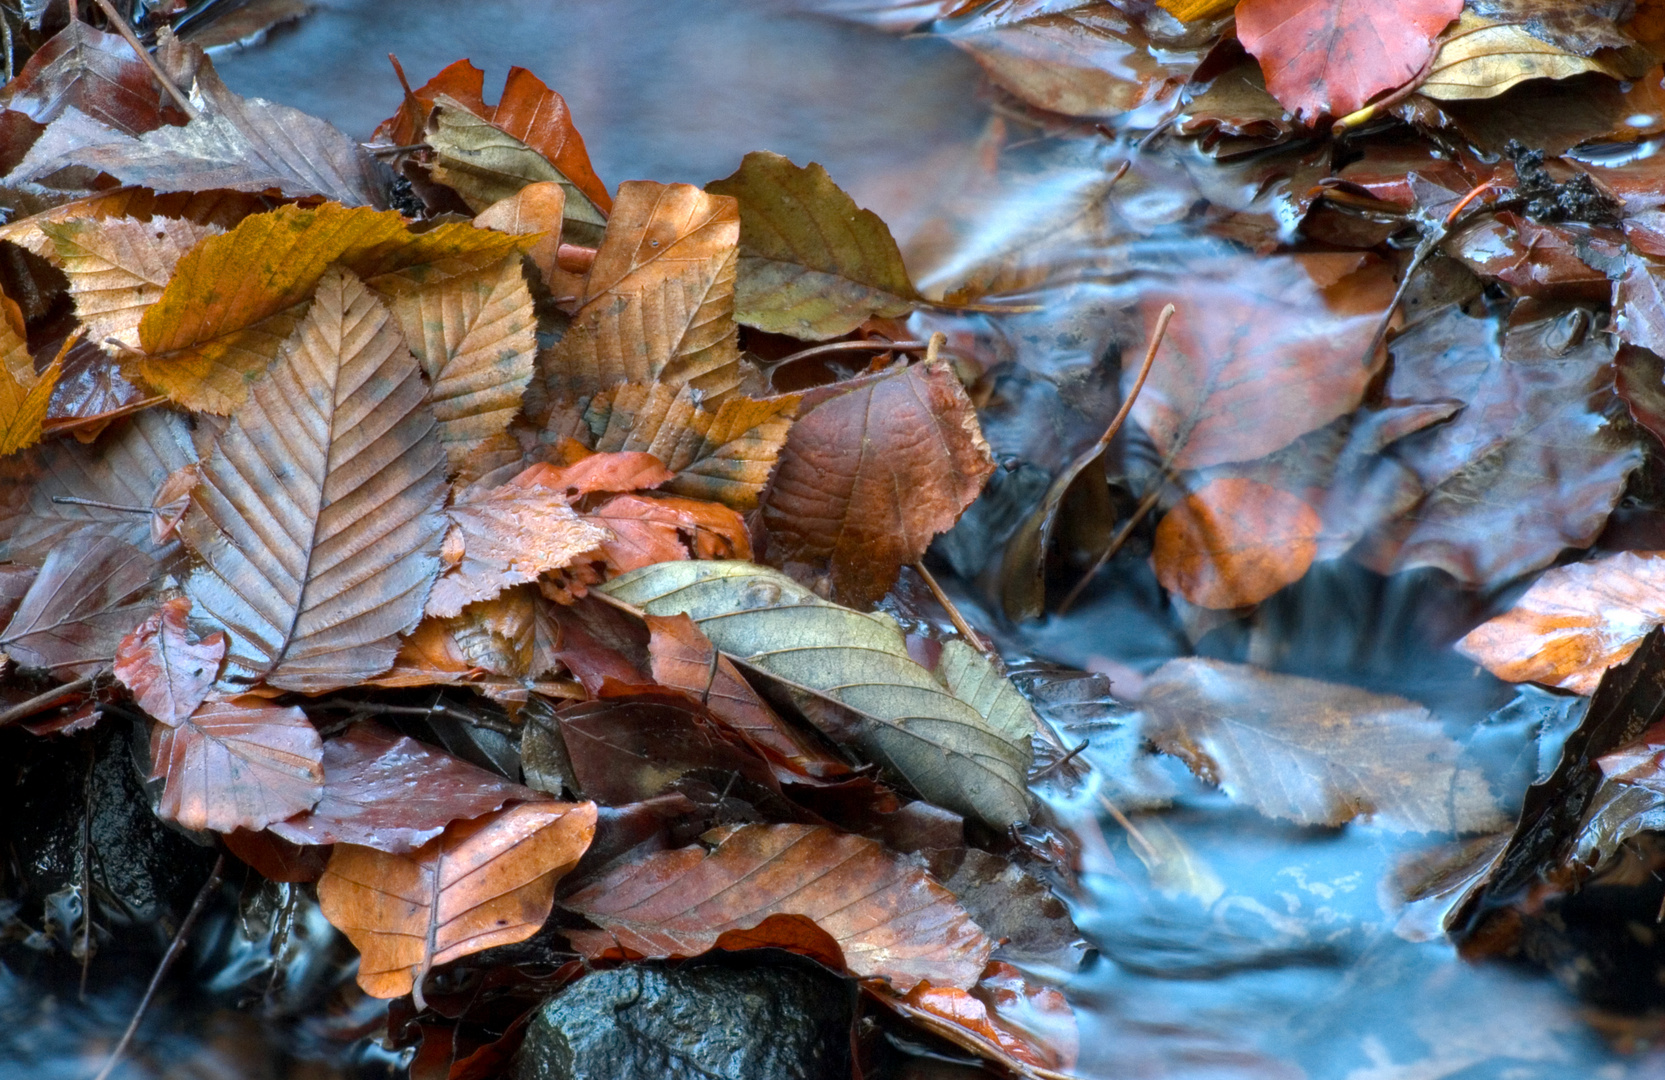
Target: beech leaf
x,y
94,73
889,918
91,590
166,667
1481,58
485,882
1235,542
317,518
238,764
118,267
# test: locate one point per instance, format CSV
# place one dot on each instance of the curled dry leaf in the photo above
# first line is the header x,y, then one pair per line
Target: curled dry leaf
x,y
168,669
1315,753
118,267
867,478
959,735
1575,622
387,791
479,160
485,882
317,518
658,305
1330,57
890,920
1235,542
239,764
812,263
89,593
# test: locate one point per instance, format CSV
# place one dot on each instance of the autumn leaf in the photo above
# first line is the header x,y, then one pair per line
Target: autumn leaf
x,y
94,73
485,882
648,529
91,590
1232,543
1330,57
631,470
1629,800
166,666
1482,57
387,791
869,477
658,305
1312,752
118,267
959,735
534,210
812,263
888,917
993,1013
235,297
479,160
325,489
24,396
239,764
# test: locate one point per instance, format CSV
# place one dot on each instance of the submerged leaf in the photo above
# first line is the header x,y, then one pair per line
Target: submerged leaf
x,y
1235,542
168,670
238,764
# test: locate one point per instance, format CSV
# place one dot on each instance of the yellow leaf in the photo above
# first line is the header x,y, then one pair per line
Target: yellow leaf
x,y
1195,10
1480,59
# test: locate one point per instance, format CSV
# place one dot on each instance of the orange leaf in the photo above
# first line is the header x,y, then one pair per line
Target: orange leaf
x,y
889,918
629,471
1235,542
649,530
168,670
485,882
1020,1021
536,210
237,764
869,477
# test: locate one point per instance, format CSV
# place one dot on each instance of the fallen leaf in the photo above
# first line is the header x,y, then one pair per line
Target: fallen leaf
x,y
325,489
1629,800
1013,906
479,160
274,859
812,263
168,669
235,297
94,73
867,478
1535,259
91,590
1481,58
624,471
983,1012
1330,57
513,634
653,529
1232,543
118,267
724,455
387,791
536,210
888,917
24,396
239,764
510,534
959,735
485,882
222,209
1196,10
658,305
1312,752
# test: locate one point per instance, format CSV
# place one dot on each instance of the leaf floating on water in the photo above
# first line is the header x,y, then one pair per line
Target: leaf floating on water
x,y
485,882
166,667
889,918
317,518
89,593
959,735
1234,542
238,764
1315,753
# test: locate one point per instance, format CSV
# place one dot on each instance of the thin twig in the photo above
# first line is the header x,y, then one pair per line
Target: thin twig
x,y
971,636
174,948
1155,343
1116,543
143,54
76,500
858,346
39,702
1133,832
1042,774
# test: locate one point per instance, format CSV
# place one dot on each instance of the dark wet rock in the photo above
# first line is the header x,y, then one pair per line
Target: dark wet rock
x,y
773,1021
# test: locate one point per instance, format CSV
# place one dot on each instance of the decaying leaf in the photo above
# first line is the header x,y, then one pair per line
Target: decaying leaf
x,y
94,73
317,518
1315,753
1629,800
168,669
1235,542
485,882
118,267
653,529
888,917
812,263
387,791
867,478
91,590
238,764
959,735
1481,58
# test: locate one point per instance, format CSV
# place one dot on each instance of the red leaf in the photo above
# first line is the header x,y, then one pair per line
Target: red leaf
x,y
168,670
277,859
234,765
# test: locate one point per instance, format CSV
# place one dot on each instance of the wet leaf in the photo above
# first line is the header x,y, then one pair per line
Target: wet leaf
x,y
24,396
387,791
118,267
485,882
1481,58
1330,57
1032,924
91,590
624,471
94,73
1630,799
725,455
888,917
1233,542
235,297
1009,1019
166,666
473,335
648,529
239,764
960,735
812,263
869,477
325,489
658,305
1315,753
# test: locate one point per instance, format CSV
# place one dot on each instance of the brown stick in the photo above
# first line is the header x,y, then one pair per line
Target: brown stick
x,y
971,636
1156,337
39,702
143,54
1133,833
857,346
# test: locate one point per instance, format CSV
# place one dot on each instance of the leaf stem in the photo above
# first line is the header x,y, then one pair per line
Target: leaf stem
x,y
1156,337
1116,543
39,702
858,346
143,54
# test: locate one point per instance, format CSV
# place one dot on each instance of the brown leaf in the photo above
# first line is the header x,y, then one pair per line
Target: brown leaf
x,y
649,530
277,860
94,73
485,882
166,667
118,267
238,764
1232,543
89,593
869,477
658,305
1312,752
479,160
625,471
1481,57
535,209
887,915
513,634
1022,1023
510,534
387,791
317,518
